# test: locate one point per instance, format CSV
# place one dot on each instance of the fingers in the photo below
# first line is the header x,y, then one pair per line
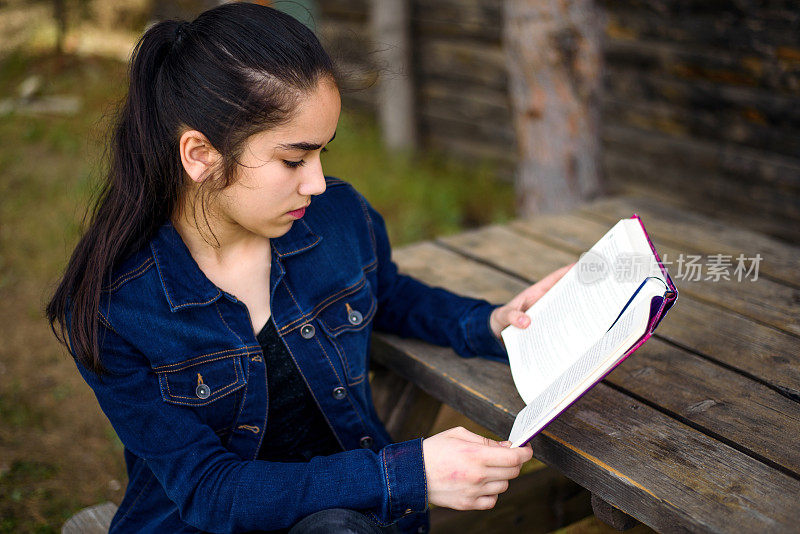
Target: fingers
x,y
505,457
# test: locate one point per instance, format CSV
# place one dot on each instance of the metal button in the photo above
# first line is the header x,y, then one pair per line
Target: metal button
x,y
202,391
355,317
339,393
307,331
366,442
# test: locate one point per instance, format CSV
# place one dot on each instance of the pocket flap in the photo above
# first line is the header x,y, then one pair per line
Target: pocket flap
x,y
350,312
196,384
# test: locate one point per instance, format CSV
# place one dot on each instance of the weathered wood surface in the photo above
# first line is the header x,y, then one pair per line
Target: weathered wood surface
x,y
535,503
763,301
695,432
771,354
92,520
407,411
690,388
612,516
691,232
633,456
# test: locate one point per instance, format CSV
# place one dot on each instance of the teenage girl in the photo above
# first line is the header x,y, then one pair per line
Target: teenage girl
x,y
221,300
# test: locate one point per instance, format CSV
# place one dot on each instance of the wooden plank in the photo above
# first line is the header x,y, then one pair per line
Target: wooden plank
x,y
763,301
650,467
752,128
754,31
629,176
743,115
477,20
708,396
757,350
535,503
708,64
688,231
92,520
713,160
466,62
632,456
612,516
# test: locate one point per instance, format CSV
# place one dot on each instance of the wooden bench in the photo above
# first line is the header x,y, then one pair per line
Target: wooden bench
x,y
696,432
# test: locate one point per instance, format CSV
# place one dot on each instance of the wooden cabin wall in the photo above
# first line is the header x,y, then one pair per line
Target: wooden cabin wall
x,y
701,100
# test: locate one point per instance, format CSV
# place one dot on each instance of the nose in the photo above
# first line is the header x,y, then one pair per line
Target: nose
x,y
313,182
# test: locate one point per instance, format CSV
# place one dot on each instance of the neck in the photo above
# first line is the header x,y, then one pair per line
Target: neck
x,y
218,243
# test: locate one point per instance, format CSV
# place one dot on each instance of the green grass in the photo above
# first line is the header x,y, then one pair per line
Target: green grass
x,y
48,167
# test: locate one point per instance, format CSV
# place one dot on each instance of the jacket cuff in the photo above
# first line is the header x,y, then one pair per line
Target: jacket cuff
x,y
404,473
479,336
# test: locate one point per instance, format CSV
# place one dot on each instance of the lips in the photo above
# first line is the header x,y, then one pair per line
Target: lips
x,y
297,214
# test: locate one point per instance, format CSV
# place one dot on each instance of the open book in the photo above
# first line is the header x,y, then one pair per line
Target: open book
x,y
596,315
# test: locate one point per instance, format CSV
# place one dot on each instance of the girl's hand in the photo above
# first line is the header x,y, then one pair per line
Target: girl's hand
x,y
466,471
514,311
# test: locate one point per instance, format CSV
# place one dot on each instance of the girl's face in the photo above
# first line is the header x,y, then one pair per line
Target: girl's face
x,y
280,169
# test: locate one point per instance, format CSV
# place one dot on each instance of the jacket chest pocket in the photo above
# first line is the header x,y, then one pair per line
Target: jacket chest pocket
x,y
213,386
347,322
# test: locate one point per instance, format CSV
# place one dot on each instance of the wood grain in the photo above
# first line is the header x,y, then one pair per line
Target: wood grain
x,y
756,350
714,399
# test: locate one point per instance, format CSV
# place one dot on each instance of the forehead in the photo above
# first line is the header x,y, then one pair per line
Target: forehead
x,y
314,119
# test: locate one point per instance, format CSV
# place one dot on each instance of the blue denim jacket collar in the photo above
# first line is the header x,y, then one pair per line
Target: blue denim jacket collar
x,y
183,282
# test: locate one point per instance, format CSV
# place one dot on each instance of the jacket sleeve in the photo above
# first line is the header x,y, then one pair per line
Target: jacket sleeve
x,y
411,308
214,489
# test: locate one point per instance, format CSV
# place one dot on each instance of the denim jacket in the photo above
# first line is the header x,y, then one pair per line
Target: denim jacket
x,y
187,391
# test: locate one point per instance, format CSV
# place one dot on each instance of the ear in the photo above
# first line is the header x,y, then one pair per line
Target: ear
x,y
197,155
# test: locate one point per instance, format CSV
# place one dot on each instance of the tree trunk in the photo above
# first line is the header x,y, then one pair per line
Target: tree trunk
x,y
554,64
389,24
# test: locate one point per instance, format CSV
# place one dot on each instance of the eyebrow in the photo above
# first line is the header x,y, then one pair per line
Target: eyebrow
x,y
303,145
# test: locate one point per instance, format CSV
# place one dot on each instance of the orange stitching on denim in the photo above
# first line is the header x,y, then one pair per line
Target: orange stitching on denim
x,y
256,358
186,363
107,323
218,393
252,428
130,274
199,303
349,397
354,328
386,474
322,305
266,411
424,476
304,248
242,403
158,269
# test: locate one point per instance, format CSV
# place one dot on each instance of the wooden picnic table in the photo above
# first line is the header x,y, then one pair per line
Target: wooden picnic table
x,y
698,431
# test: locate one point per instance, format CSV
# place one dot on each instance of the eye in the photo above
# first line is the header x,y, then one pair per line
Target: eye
x,y
294,164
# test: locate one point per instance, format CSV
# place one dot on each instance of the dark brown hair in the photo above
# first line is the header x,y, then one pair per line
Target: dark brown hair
x,y
236,70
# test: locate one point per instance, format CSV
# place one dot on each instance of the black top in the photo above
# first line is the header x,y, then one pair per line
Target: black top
x,y
296,429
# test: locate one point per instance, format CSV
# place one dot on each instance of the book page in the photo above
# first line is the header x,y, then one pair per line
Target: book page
x,y
572,316
588,368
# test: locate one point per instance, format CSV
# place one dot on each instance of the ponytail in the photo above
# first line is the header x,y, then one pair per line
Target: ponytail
x,y
209,75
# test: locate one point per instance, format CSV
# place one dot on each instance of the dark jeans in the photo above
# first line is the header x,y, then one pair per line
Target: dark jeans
x,y
339,521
